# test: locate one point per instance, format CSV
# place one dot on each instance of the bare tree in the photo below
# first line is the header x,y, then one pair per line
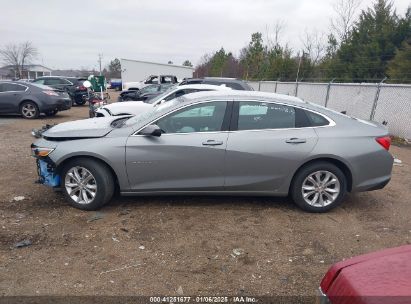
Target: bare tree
x,y
342,23
17,55
314,45
273,35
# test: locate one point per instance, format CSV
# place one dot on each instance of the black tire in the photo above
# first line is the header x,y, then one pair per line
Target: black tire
x,y
80,102
51,113
103,180
296,189
29,110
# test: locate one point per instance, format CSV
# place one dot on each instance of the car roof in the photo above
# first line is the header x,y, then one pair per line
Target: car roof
x,y
201,86
65,77
243,95
16,82
223,78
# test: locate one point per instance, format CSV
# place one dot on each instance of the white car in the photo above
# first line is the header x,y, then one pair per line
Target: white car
x,y
138,107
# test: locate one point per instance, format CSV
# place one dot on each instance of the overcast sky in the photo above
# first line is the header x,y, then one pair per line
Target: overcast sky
x,y
70,34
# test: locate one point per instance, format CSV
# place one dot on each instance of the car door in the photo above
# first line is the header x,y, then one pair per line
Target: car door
x,y
265,146
10,96
188,156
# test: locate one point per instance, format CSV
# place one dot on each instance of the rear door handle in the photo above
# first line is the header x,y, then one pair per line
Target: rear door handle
x,y
212,142
295,140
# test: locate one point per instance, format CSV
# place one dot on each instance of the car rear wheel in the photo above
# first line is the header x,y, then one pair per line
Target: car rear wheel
x,y
29,110
88,184
319,187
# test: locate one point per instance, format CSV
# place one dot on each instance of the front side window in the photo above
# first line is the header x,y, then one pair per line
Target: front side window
x,y
205,117
39,81
261,115
52,81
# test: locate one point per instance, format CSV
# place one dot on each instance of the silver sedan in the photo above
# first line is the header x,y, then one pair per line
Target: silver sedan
x,y
225,143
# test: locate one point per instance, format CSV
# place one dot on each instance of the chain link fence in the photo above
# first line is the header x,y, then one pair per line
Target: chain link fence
x,y
389,103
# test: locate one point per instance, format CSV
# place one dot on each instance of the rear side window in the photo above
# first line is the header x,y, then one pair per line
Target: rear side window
x,y
260,115
234,85
11,87
316,120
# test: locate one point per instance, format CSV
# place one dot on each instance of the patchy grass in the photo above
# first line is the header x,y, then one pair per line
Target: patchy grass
x,y
399,141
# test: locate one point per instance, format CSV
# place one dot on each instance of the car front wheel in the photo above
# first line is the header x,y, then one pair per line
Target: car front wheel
x,y
319,187
88,184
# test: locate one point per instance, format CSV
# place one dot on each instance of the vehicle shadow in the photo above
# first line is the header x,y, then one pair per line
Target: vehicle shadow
x,y
203,201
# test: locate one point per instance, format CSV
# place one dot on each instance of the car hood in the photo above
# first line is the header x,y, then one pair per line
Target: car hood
x,y
384,272
86,128
128,107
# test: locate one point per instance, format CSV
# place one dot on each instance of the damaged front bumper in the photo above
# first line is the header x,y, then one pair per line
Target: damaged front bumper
x,y
46,168
47,174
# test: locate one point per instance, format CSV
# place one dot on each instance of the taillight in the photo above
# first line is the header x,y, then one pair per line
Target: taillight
x,y
51,93
385,142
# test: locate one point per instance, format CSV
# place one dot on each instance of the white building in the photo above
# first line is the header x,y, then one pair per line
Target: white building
x,y
30,71
135,70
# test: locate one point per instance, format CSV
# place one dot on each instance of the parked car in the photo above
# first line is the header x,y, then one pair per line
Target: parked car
x,y
72,85
29,99
377,277
232,143
137,108
153,79
233,83
145,93
115,84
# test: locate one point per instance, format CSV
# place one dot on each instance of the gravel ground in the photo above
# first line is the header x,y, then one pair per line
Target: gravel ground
x,y
188,245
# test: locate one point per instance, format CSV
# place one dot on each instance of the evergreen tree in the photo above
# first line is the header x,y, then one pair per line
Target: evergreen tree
x,y
399,69
372,44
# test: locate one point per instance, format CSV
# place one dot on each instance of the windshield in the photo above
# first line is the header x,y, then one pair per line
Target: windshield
x,y
155,111
161,96
149,89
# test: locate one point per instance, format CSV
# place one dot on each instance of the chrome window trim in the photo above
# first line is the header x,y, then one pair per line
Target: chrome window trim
x,y
331,121
19,84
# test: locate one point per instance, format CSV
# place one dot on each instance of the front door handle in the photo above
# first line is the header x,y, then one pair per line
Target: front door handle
x,y
212,142
295,140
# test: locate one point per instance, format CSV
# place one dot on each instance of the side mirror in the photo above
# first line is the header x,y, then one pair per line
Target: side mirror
x,y
151,130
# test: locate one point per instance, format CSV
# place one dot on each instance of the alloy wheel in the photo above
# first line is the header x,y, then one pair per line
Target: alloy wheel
x,y
320,188
80,185
29,110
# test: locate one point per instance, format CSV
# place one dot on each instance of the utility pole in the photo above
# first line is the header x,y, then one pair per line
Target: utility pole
x,y
299,65
100,57
298,74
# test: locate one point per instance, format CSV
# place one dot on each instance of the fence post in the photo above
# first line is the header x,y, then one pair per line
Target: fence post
x,y
275,88
327,96
259,85
296,88
377,95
